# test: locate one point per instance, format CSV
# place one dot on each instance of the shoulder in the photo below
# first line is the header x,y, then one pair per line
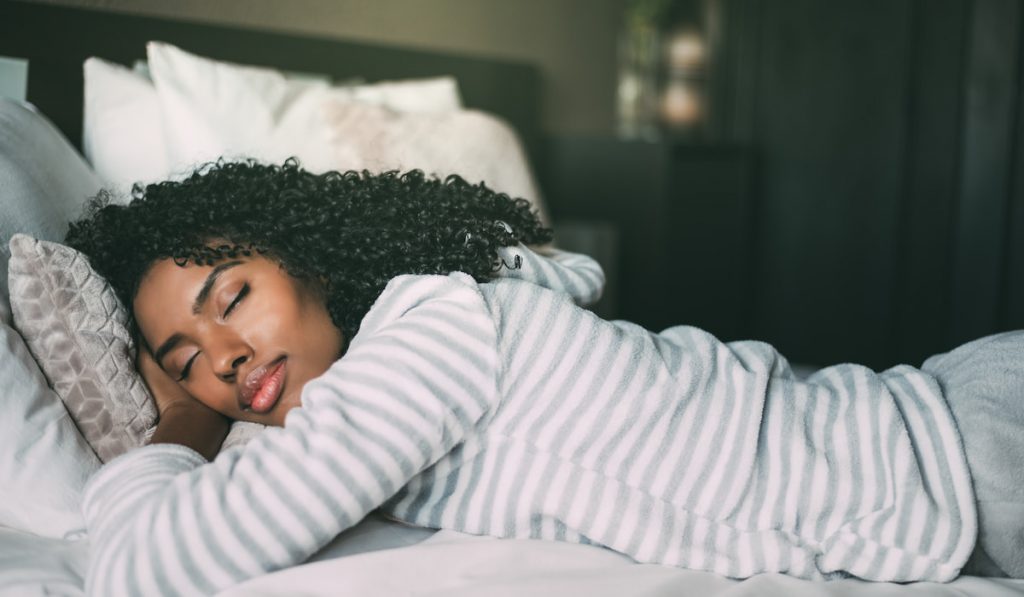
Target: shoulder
x,y
427,339
425,296
575,274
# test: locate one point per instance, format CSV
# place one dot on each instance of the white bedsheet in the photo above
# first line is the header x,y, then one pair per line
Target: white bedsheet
x,y
451,564
31,565
379,558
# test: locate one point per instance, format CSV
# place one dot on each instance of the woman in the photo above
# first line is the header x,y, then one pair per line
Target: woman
x,y
446,375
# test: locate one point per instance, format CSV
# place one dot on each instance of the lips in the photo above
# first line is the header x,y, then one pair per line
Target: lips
x,y
262,386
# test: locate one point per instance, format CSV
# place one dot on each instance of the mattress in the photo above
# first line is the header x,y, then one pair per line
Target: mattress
x,y
382,558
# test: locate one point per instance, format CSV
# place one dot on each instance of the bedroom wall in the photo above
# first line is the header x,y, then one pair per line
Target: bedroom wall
x,y
890,190
884,219
572,41
885,214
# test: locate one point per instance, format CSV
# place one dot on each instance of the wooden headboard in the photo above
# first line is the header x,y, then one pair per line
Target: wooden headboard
x,y
56,40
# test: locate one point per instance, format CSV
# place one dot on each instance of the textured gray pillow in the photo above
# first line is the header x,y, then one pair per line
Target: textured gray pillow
x,y
76,329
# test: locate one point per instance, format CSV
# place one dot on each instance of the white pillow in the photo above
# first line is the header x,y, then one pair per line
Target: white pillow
x,y
122,134
122,130
43,180
475,145
44,462
421,96
212,109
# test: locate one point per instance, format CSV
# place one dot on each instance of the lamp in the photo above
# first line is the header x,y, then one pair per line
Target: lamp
x,y
682,97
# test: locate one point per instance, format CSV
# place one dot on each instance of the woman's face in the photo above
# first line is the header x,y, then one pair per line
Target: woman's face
x,y
242,336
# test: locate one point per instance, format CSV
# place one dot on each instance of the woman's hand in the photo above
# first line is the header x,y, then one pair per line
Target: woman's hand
x,y
183,419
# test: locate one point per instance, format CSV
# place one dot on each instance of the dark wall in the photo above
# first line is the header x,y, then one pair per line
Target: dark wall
x,y
888,203
885,214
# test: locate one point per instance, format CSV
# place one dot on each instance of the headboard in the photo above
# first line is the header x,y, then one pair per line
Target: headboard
x,y
56,40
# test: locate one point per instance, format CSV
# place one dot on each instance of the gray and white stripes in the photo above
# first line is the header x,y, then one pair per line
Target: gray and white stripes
x,y
505,409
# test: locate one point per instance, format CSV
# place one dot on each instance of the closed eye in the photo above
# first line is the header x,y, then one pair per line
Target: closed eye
x,y
188,368
238,298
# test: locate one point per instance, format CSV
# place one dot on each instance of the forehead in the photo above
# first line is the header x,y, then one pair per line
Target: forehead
x,y
165,295
166,276
166,279
163,302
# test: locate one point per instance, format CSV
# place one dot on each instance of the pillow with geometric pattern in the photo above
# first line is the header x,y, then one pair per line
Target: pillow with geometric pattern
x,y
77,330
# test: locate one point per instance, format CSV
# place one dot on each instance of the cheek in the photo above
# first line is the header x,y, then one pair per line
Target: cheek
x,y
285,320
265,321
320,329
214,393
328,337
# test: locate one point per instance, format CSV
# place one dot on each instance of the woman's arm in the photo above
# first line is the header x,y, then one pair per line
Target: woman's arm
x,y
416,379
197,427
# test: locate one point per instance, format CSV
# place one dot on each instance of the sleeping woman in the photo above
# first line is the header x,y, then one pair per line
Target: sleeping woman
x,y
415,354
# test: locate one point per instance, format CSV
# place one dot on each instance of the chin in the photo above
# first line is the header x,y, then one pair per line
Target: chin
x,y
276,416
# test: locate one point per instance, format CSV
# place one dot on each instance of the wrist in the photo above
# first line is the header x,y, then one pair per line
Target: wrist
x,y
194,425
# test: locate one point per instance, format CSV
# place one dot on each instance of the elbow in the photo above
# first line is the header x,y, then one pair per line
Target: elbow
x,y
594,288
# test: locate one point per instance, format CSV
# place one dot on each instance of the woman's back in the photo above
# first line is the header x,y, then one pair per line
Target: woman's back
x,y
679,449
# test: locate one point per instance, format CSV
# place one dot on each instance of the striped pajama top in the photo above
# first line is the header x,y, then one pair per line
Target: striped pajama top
x,y
505,409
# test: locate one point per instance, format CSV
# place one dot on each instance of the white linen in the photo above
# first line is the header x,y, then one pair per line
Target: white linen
x,y
451,564
190,109
122,135
475,145
212,109
44,462
43,180
378,558
434,95
32,565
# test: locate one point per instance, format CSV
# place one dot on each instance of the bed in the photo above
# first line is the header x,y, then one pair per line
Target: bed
x,y
52,158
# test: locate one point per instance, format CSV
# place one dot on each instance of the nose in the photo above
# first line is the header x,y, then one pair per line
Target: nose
x,y
227,354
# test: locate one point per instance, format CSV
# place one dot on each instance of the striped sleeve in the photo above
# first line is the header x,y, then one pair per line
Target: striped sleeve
x,y
415,380
578,275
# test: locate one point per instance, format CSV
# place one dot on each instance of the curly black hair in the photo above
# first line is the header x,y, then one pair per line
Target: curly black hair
x,y
349,233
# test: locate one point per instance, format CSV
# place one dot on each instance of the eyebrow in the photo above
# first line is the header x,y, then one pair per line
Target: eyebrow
x,y
197,306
